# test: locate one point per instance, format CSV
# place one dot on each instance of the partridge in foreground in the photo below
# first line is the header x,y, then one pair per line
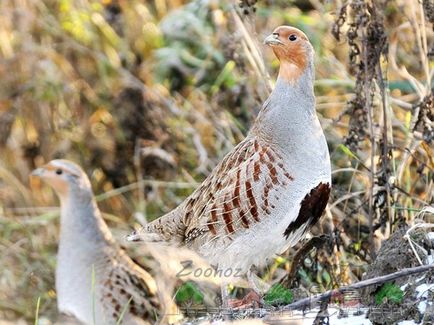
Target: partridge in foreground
x,y
272,187
87,250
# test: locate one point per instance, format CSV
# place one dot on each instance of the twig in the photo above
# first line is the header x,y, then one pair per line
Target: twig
x,y
252,52
358,285
421,41
323,315
419,225
368,106
385,159
402,71
137,159
346,197
135,185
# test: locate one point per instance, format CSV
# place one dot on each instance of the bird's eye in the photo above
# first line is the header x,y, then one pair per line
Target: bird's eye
x,y
59,171
292,37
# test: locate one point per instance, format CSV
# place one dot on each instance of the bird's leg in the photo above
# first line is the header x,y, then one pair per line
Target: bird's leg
x,y
225,295
256,295
225,307
251,277
253,297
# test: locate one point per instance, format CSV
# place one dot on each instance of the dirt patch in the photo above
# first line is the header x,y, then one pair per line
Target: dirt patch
x,y
395,254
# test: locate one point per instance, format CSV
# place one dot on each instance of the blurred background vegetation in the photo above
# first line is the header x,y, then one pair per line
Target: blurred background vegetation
x,y
148,96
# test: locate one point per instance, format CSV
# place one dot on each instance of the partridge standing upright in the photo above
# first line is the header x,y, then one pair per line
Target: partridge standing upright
x,y
272,187
87,250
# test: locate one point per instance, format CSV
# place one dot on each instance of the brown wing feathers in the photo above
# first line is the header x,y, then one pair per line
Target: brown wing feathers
x,y
235,205
311,208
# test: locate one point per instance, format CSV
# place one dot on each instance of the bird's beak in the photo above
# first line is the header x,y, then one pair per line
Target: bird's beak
x,y
272,39
38,172
134,236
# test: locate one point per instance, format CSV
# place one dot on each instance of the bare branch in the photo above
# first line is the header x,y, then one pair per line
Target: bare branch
x,y
302,303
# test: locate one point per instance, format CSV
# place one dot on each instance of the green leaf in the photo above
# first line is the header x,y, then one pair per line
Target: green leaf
x,y
38,303
279,260
327,278
347,151
357,245
278,295
389,292
225,77
189,293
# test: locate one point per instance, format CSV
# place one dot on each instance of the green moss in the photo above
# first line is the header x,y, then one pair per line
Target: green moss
x,y
278,295
389,292
189,293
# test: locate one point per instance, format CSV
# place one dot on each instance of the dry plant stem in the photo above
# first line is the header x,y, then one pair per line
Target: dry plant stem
x,y
348,169
421,39
368,106
8,177
411,147
346,198
144,182
416,226
402,71
139,176
315,242
29,210
252,51
202,154
349,193
322,313
306,302
385,149
412,197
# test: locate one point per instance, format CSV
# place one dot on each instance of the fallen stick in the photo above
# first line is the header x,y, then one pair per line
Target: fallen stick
x,y
358,285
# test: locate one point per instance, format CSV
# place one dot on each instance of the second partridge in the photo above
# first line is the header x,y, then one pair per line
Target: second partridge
x,y
96,282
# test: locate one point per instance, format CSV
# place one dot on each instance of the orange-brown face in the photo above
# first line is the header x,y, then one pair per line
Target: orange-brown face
x,y
290,45
59,175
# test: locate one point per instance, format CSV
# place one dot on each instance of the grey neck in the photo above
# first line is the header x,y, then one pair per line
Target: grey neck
x,y
289,110
81,219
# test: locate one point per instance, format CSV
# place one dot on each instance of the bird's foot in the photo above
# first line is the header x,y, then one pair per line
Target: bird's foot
x,y
251,300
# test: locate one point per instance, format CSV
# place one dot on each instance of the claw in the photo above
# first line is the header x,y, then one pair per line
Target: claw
x,y
251,300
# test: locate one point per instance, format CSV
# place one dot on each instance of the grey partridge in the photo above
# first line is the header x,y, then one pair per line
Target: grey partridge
x,y
272,187
96,282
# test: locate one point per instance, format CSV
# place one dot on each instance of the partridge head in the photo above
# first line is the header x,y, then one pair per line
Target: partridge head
x,y
87,250
293,49
64,176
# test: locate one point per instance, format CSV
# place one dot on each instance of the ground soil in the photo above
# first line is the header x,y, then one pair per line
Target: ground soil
x,y
395,254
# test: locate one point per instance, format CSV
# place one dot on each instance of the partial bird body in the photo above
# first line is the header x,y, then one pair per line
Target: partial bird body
x,y
95,280
267,192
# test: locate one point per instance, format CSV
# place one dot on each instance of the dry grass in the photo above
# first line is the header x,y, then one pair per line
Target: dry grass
x,y
149,95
